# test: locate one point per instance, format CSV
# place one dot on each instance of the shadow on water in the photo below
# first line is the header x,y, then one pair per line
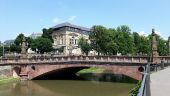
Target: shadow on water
x,y
107,77
62,74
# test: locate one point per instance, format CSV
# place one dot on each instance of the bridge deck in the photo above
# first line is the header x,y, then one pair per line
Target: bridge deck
x,y
160,83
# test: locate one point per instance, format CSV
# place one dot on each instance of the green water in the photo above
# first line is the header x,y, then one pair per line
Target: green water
x,y
65,88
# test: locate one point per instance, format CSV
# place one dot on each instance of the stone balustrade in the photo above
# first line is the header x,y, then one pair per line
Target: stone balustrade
x,y
43,59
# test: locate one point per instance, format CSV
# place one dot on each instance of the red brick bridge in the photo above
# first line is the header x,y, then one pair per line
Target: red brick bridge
x,y
31,68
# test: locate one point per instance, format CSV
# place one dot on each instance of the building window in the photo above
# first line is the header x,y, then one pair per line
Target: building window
x,y
61,40
75,42
71,41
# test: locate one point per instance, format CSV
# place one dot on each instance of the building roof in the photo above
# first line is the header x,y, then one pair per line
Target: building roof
x,y
35,35
71,25
9,42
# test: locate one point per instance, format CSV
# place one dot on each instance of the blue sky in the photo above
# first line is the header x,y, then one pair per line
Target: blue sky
x,y
28,16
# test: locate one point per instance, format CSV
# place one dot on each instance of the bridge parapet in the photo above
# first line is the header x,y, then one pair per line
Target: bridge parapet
x,y
165,59
123,59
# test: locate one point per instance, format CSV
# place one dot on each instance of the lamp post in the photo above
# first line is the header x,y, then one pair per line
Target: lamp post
x,y
3,50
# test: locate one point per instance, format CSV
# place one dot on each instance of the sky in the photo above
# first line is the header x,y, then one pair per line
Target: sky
x,y
28,16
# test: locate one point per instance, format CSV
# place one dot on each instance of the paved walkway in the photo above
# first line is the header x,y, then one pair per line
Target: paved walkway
x,y
160,83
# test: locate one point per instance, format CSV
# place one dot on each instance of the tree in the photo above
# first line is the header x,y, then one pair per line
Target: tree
x,y
136,39
141,44
19,39
41,45
15,48
47,33
98,38
162,46
84,45
124,40
144,46
111,47
1,51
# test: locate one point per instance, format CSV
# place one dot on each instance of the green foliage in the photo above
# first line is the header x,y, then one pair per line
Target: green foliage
x,y
84,45
6,50
124,40
47,33
112,41
121,40
41,45
1,51
97,38
19,39
162,47
141,44
134,91
15,48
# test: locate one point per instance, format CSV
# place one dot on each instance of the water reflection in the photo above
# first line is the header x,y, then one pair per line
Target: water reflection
x,y
65,88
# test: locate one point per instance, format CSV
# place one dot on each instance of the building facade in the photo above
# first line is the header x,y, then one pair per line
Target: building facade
x,y
66,36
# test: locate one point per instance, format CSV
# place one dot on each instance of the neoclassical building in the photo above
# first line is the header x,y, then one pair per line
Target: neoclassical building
x,y
66,35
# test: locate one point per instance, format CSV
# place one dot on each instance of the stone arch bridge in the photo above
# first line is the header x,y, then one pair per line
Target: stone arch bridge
x,y
31,68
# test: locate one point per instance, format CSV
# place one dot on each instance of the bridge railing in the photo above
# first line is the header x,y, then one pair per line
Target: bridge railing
x,y
145,84
76,58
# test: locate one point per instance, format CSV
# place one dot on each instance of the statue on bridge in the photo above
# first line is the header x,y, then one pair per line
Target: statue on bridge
x,y
154,53
24,48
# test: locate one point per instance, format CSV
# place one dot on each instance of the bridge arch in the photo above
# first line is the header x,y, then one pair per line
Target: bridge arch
x,y
47,69
16,71
67,73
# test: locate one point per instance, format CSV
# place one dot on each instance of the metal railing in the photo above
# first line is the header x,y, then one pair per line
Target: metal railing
x,y
145,84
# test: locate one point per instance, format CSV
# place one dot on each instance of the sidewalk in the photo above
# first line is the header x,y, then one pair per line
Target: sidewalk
x,y
160,83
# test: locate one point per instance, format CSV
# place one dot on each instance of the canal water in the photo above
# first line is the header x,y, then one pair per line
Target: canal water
x,y
65,88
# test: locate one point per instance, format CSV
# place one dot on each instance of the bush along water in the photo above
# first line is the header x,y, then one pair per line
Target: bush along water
x,y
135,90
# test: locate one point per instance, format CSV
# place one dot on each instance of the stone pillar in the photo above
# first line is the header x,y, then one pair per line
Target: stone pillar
x,y
169,45
154,53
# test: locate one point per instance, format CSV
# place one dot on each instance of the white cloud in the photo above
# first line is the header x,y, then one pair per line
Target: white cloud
x,y
159,33
143,33
72,18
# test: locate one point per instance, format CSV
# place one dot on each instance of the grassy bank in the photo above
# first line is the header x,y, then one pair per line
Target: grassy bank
x,y
92,70
4,80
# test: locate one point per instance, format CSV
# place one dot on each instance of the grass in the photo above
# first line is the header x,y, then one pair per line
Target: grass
x,y
4,80
92,70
